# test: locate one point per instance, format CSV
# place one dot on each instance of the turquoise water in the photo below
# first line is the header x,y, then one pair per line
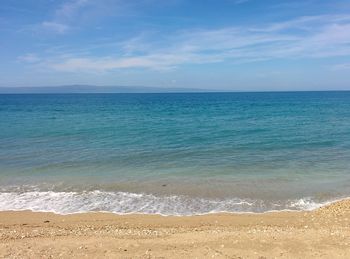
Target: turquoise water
x,y
174,154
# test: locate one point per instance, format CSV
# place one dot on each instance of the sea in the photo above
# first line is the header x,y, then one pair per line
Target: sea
x,y
174,153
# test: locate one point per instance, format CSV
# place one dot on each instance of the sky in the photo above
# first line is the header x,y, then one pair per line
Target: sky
x,y
239,45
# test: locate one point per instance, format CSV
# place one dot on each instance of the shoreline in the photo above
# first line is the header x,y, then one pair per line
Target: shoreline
x,y
313,207
126,203
323,232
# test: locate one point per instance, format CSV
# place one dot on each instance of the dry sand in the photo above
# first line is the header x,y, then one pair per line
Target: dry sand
x,y
324,233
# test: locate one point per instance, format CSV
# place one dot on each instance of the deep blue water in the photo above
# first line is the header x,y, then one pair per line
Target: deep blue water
x,y
174,153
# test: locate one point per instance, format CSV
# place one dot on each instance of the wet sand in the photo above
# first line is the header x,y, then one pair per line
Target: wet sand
x,y
323,233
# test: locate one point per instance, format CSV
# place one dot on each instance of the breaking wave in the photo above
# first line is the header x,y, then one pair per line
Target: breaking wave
x,y
126,203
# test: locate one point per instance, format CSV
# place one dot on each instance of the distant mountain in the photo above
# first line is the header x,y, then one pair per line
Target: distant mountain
x,y
94,89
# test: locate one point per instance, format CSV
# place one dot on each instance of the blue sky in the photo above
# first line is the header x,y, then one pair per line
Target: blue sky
x,y
212,44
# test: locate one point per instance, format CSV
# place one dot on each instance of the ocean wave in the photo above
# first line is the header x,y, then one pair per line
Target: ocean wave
x,y
127,203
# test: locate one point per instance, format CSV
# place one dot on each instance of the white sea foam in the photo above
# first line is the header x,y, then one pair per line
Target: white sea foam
x,y
306,204
124,203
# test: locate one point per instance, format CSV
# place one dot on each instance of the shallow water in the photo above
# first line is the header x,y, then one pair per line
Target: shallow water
x,y
176,154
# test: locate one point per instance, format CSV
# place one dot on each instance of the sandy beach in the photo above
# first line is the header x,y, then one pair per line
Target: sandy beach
x,y
323,233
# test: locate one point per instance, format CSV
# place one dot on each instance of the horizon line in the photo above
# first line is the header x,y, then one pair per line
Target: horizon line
x,y
199,91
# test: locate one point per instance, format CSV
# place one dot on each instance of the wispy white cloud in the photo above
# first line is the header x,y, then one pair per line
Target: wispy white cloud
x,y
303,37
69,9
55,27
74,13
29,58
64,15
343,66
159,62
